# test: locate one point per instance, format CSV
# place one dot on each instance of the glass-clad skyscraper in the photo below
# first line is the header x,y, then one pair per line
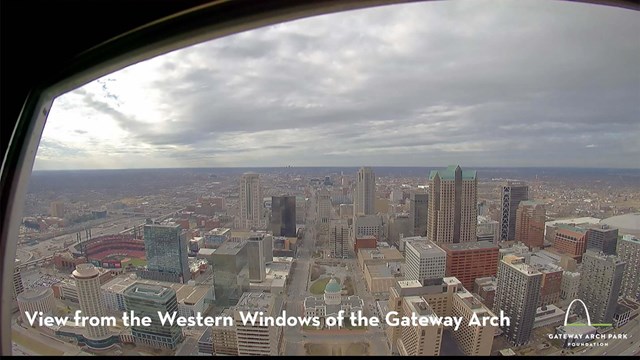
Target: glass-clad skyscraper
x,y
166,250
147,300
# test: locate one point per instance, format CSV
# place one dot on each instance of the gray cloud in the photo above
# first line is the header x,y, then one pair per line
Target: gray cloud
x,y
527,83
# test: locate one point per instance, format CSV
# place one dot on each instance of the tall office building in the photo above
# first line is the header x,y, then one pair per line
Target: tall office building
x,y
147,300
166,248
529,224
339,238
256,339
418,210
517,294
323,208
513,192
629,251
419,340
603,238
446,297
256,259
600,285
251,202
231,274
283,216
365,194
469,261
424,260
90,298
452,216
57,209
488,230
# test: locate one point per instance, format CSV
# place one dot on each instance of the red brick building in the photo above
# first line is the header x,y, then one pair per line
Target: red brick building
x,y
570,240
530,218
471,260
365,242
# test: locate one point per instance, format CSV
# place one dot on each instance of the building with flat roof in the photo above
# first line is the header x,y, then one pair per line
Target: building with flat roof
x,y
339,238
283,216
230,271
380,277
419,340
512,193
215,237
453,199
488,230
251,206
36,300
570,285
517,294
471,260
548,315
365,192
224,338
628,249
424,260
600,284
529,227
418,210
380,255
166,253
446,297
146,300
192,299
258,339
570,240
603,238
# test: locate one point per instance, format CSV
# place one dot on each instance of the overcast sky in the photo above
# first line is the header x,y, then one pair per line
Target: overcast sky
x,y
478,83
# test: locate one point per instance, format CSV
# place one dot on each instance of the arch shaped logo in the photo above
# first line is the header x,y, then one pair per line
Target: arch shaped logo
x,y
586,310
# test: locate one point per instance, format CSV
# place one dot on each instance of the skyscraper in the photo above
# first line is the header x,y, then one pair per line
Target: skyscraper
x,y
147,300
283,216
517,294
365,195
339,238
424,260
602,238
452,216
166,248
419,340
629,251
529,224
418,210
323,204
513,192
90,296
251,202
256,259
256,339
600,285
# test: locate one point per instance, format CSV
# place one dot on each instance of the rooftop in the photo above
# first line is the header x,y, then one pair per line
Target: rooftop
x,y
186,294
475,245
450,172
35,294
254,301
230,247
571,228
517,262
425,248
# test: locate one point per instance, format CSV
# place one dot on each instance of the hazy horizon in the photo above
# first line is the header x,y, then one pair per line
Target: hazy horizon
x,y
476,82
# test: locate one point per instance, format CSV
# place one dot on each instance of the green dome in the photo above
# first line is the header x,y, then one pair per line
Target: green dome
x,y
333,287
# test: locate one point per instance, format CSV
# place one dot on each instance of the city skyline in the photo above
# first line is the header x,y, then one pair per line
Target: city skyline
x,y
480,86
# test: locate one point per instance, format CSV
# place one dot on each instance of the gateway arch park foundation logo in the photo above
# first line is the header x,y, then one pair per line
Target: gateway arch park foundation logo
x,y
581,334
586,311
